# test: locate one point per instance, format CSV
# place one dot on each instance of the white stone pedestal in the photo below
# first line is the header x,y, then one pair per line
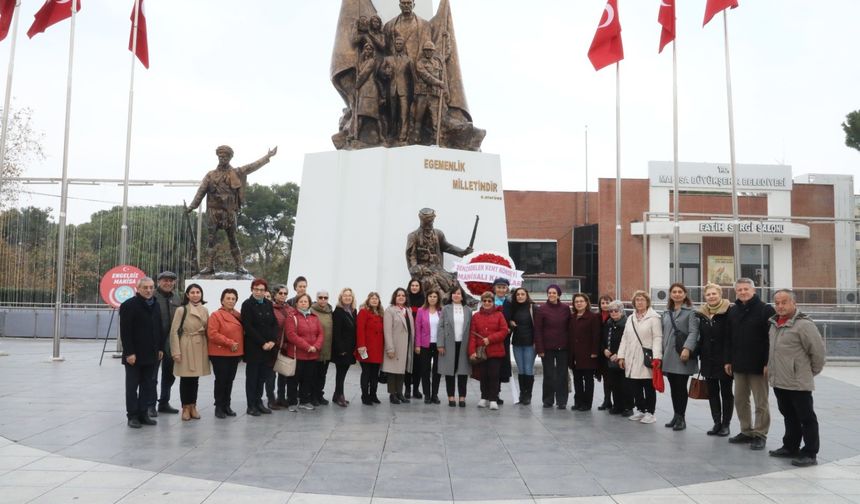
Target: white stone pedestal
x,y
212,290
356,209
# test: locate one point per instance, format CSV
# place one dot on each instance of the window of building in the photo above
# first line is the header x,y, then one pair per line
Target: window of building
x,y
535,257
690,267
755,263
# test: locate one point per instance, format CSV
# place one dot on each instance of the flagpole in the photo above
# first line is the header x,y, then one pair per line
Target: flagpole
x,y
736,235
676,225
586,174
64,196
8,100
123,243
617,180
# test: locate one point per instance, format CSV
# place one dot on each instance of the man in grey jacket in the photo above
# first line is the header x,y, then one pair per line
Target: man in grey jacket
x,y
796,356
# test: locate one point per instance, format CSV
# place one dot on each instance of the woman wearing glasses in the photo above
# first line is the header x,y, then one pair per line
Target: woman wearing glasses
x,y
489,330
613,329
261,334
323,310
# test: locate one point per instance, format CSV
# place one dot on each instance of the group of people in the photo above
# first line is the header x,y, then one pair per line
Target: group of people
x,y
422,336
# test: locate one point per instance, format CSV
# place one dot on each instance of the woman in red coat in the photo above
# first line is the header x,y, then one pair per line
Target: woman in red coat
x,y
369,344
584,344
304,339
489,329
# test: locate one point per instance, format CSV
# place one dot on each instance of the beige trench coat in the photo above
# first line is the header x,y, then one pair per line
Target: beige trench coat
x,y
400,339
192,346
651,333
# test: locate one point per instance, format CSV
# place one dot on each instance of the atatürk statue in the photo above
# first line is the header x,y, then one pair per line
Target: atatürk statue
x,y
224,190
411,107
424,249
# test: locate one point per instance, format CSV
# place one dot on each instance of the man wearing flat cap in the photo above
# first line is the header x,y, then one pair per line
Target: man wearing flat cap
x,y
167,300
224,190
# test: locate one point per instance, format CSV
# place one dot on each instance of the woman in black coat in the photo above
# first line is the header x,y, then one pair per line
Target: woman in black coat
x,y
610,341
713,332
261,334
343,341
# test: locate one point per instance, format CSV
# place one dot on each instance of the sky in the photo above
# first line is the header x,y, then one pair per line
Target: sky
x,y
255,74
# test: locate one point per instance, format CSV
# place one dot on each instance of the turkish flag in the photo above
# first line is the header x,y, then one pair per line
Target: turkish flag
x,y
142,49
606,48
716,6
7,10
51,13
666,18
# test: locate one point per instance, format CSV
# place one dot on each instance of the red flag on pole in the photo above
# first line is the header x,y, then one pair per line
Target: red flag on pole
x,y
142,48
7,10
606,48
714,7
51,13
666,18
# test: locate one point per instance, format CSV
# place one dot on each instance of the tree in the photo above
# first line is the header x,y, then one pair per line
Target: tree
x,y
23,146
266,226
851,127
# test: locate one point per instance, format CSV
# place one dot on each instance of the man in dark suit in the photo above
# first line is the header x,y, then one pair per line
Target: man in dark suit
x,y
142,343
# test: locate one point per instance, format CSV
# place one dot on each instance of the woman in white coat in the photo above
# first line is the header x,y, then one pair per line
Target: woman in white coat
x,y
643,332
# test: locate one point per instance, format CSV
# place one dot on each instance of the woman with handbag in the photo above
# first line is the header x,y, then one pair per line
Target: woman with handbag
x,y
226,346
370,342
398,328
487,348
304,338
454,325
584,342
613,329
641,349
343,341
426,347
680,339
283,311
522,324
551,323
713,332
189,348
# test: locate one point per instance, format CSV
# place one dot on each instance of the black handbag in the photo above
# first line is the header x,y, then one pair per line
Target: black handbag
x,y
648,361
679,336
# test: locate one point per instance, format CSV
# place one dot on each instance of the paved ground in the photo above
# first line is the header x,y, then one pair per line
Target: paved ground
x,y
63,439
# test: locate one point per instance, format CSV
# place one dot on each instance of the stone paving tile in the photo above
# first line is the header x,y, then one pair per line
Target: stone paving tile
x,y
229,493
69,495
17,495
49,479
414,488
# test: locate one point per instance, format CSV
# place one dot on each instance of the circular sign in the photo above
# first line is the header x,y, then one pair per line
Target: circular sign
x,y
119,284
477,271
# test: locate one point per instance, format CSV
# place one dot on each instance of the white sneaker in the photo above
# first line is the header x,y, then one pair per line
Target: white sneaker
x,y
483,403
636,416
648,418
306,406
494,405
292,408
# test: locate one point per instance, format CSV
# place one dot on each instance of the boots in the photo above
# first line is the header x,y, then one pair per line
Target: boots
x,y
186,412
192,411
219,412
522,382
672,422
526,387
680,423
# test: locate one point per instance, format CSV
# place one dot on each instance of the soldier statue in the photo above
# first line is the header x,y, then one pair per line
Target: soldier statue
x,y
424,249
429,89
224,189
